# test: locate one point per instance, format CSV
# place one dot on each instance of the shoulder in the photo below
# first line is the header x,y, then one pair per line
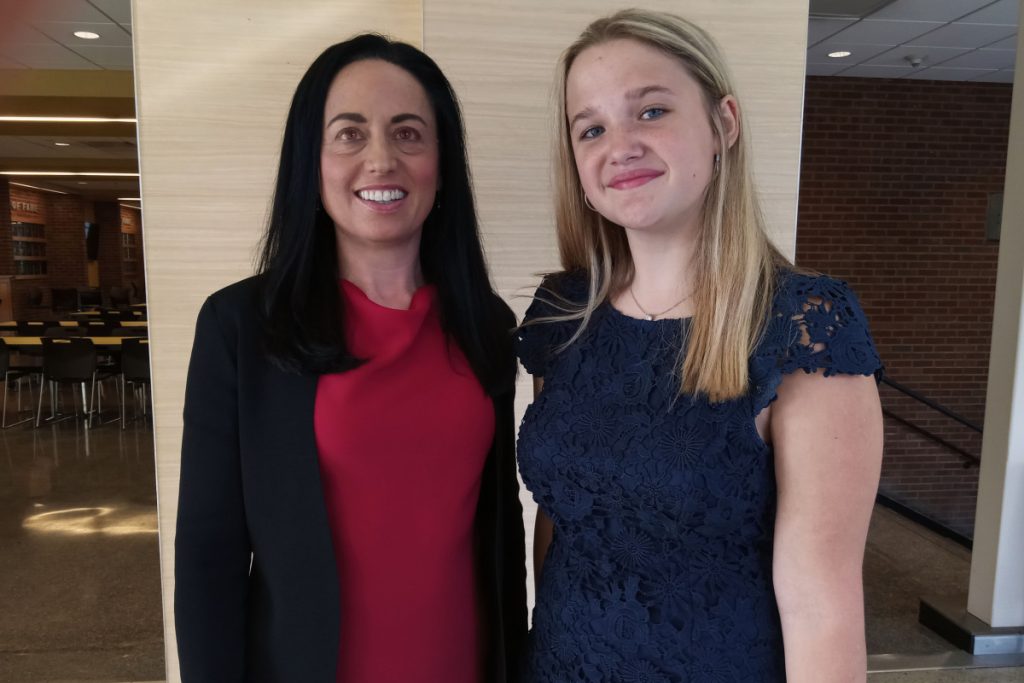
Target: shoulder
x,y
231,311
798,291
542,332
817,323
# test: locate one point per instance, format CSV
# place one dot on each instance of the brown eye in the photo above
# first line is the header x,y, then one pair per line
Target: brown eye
x,y
407,135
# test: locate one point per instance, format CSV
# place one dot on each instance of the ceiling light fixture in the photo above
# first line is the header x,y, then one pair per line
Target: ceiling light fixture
x,y
36,187
839,54
86,35
129,199
100,174
62,144
65,119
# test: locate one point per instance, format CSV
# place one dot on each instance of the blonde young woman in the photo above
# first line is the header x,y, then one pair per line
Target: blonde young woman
x,y
706,440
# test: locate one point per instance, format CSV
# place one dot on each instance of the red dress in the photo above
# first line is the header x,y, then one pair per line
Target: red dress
x,y
402,442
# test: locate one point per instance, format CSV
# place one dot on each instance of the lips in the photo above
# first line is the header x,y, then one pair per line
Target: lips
x,y
634,178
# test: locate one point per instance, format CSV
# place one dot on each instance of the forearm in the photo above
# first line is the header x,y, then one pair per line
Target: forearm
x,y
823,633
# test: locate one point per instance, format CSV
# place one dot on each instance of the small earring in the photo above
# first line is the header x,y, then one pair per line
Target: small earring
x,y
586,200
718,161
437,200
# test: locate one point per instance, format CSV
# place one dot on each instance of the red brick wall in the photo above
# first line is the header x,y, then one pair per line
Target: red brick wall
x,y
895,177
6,248
65,241
108,217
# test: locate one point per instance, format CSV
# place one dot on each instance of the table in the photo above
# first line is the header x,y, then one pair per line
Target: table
x,y
75,323
99,342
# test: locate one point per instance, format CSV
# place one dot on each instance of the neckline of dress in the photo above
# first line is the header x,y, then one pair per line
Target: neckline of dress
x,y
643,321
422,296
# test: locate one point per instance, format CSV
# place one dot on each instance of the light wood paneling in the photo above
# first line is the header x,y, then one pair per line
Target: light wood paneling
x,y
501,58
214,81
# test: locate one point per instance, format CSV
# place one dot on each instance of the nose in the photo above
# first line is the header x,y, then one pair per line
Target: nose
x,y
623,145
380,156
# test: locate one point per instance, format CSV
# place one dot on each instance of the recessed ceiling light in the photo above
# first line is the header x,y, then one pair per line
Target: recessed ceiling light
x,y
82,182
840,54
86,35
63,144
129,199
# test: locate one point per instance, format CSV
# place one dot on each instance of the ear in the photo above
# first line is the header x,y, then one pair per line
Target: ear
x,y
729,114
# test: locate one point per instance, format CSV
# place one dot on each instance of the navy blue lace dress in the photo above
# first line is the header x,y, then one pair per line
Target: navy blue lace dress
x,y
663,505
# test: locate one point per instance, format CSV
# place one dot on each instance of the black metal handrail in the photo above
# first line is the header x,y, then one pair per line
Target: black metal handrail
x,y
971,458
932,404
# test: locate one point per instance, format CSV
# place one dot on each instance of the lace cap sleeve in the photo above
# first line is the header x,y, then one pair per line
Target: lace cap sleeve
x,y
537,340
816,324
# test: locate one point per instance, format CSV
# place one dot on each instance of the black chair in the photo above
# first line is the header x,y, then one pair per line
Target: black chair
x,y
68,361
120,297
14,373
130,332
134,371
31,328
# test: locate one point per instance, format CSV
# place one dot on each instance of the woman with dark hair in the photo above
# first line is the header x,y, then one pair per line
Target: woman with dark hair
x,y
348,507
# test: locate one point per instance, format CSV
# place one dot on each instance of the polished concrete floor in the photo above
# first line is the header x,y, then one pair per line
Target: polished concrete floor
x,y
80,587
79,561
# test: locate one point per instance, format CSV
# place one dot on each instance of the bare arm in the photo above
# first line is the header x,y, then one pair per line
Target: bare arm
x,y
827,435
543,528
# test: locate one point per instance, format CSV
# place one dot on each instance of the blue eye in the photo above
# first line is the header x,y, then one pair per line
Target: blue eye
x,y
652,113
591,133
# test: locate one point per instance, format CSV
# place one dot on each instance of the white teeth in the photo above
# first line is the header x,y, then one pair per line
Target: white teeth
x,y
383,196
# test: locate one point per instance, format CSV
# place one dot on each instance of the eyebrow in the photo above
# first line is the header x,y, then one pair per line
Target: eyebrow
x,y
634,94
359,118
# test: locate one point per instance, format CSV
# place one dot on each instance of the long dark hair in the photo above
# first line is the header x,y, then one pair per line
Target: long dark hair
x,y
301,304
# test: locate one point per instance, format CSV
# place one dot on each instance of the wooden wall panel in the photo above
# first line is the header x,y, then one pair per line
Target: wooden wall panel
x,y
213,84
214,81
501,58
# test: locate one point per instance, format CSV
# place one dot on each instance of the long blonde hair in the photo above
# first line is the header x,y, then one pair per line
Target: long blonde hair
x,y
734,262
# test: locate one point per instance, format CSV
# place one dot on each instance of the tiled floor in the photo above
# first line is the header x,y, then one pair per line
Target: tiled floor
x,y
79,566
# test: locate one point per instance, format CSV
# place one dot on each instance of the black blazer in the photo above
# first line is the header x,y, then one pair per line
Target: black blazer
x,y
256,586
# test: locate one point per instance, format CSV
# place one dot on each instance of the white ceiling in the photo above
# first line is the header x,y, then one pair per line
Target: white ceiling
x,y
39,34
963,40
955,40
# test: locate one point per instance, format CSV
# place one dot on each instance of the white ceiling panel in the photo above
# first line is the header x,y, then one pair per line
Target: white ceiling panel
x,y
61,10
820,29
870,71
64,32
929,10
824,69
870,32
930,56
1001,76
984,59
107,57
948,73
965,35
858,53
20,33
46,56
1002,12
1006,44
118,10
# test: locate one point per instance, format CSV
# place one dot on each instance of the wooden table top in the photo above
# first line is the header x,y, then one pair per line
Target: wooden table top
x,y
98,341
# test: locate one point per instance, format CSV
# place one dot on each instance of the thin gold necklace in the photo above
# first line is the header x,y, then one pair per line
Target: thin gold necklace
x,y
653,316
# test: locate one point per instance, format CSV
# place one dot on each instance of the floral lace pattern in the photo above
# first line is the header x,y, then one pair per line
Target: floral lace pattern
x,y
663,505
